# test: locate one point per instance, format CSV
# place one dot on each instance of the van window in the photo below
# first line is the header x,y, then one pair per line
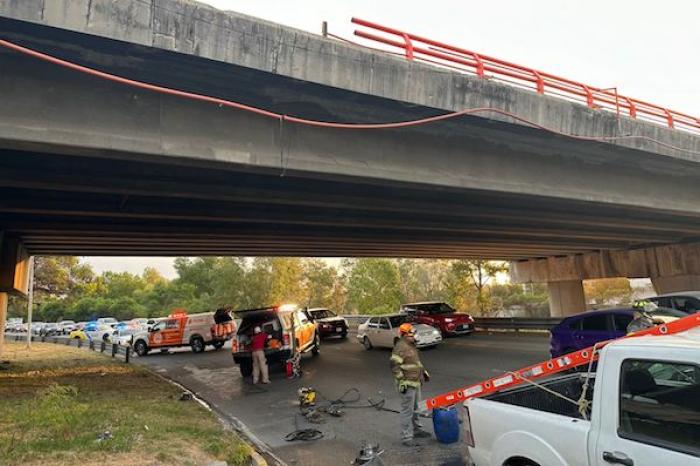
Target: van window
x,y
373,322
170,324
660,404
303,320
595,323
384,324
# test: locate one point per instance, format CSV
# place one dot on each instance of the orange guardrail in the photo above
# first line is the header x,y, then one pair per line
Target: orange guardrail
x,y
415,47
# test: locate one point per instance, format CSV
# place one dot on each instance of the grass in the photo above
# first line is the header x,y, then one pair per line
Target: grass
x,y
55,401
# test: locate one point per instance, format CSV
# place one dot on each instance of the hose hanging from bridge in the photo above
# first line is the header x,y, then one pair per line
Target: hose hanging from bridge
x,y
322,124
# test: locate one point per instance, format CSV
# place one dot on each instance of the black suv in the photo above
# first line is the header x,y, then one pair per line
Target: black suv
x,y
328,323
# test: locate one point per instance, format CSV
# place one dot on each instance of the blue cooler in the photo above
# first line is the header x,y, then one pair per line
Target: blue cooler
x,y
446,424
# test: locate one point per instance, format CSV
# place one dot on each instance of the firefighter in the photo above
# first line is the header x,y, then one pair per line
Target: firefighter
x,y
257,346
409,374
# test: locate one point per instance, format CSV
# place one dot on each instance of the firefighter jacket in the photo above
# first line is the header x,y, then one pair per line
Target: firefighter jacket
x,y
405,363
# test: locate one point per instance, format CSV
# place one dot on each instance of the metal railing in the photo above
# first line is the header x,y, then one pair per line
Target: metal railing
x,y
102,346
486,323
415,47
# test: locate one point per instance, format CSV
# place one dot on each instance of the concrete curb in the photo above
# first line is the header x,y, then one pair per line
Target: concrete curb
x,y
230,422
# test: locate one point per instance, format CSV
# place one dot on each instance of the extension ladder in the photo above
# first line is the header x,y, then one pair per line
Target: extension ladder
x,y
551,366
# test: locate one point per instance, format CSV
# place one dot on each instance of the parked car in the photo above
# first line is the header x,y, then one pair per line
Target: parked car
x,y
78,334
124,335
643,410
36,327
588,328
328,323
685,301
110,321
66,326
49,329
177,330
290,329
383,331
441,316
14,324
96,331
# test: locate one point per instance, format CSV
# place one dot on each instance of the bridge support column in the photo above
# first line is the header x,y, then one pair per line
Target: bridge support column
x,y
566,298
676,283
14,276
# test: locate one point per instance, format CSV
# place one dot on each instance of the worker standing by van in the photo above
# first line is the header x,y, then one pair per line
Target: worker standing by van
x,y
257,346
409,373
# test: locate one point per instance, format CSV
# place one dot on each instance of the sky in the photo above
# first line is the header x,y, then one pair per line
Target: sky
x,y
647,49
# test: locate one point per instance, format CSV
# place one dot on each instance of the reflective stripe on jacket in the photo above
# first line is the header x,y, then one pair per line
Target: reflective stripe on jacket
x,y
405,363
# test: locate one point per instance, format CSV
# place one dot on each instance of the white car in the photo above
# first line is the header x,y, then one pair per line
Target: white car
x,y
66,326
383,331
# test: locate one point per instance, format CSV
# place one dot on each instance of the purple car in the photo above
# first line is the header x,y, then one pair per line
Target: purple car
x,y
588,328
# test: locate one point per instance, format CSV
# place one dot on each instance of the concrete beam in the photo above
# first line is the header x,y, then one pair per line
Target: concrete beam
x,y
654,262
14,266
566,298
676,283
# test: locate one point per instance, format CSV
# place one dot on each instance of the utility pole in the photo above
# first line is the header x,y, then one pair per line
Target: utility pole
x,y
30,302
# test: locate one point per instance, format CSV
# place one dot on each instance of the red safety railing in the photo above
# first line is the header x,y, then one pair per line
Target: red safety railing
x,y
420,48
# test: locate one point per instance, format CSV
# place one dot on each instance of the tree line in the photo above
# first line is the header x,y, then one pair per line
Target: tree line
x,y
66,288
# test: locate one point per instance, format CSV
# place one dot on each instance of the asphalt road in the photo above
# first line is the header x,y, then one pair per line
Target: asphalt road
x,y
271,411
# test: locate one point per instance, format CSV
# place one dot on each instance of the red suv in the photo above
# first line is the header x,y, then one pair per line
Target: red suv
x,y
441,316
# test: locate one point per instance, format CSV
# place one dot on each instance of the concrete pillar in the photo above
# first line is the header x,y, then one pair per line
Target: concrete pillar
x,y
3,319
566,298
676,283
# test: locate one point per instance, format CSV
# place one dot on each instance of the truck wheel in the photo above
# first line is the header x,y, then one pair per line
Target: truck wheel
x,y
105,338
197,344
141,348
520,462
246,368
317,345
367,343
344,334
218,345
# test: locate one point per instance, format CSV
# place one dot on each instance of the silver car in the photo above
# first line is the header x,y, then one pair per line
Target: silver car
x,y
383,331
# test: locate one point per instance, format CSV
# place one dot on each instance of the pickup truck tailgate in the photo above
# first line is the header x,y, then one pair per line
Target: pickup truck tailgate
x,y
502,431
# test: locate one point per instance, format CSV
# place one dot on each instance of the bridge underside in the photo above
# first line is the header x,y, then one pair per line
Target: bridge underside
x,y
60,204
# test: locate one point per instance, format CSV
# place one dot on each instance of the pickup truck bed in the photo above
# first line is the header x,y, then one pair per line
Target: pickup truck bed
x,y
533,397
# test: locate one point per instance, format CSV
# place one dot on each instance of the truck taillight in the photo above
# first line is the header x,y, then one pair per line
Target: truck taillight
x,y
285,339
234,345
469,437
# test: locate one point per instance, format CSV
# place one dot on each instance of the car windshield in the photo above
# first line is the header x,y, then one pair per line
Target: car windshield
x,y
397,320
322,314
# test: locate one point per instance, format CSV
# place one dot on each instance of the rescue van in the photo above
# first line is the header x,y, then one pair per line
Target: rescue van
x,y
179,329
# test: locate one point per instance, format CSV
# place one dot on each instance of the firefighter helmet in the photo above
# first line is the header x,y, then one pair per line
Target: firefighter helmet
x,y
406,328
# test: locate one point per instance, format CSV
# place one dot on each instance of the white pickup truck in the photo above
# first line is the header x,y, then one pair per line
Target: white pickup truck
x,y
645,412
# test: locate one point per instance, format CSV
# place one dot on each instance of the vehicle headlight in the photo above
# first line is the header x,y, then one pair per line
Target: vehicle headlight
x,y
436,332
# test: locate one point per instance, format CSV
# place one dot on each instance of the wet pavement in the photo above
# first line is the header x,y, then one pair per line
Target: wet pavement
x,y
271,411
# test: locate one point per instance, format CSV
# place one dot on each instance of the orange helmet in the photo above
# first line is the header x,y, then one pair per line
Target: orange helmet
x,y
406,328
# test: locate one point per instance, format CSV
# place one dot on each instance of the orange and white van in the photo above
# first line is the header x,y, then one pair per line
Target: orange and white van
x,y
179,329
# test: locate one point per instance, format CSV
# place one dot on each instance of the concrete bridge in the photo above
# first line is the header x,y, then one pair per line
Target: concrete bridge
x,y
89,166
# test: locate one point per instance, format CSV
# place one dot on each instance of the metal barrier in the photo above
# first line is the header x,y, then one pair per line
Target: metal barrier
x,y
420,48
116,350
485,323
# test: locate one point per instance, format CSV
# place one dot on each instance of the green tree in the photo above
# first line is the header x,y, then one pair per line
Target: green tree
x,y
60,277
373,286
320,282
608,291
477,274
